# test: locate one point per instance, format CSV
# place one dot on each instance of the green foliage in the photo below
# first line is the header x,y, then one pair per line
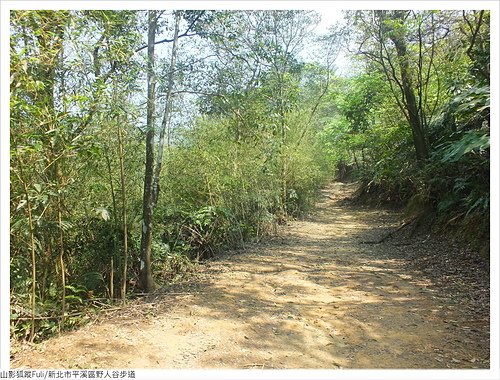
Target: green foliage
x,y
370,135
470,142
222,185
254,133
173,267
358,100
57,155
198,234
458,174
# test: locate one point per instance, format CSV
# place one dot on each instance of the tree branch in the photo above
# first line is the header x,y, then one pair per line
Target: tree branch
x,y
475,32
185,34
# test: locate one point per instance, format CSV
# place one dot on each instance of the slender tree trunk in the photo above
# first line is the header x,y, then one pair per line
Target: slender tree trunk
x,y
50,43
33,267
61,263
152,172
115,219
32,251
111,278
124,217
282,133
146,278
284,169
355,159
168,111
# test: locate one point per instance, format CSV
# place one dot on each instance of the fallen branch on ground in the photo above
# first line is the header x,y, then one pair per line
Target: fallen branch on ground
x,y
391,233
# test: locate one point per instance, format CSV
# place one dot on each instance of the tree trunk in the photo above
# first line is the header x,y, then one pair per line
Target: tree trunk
x,y
115,221
61,263
147,283
124,217
419,134
32,250
168,111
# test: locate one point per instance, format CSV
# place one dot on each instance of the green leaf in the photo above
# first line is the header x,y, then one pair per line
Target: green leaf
x,y
469,142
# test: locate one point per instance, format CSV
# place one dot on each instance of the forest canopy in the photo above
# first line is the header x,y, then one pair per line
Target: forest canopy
x,y
145,141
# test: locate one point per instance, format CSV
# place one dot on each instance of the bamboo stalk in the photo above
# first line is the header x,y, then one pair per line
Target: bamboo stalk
x,y
124,217
33,253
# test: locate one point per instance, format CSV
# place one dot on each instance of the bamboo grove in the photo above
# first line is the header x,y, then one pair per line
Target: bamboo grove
x,y
143,142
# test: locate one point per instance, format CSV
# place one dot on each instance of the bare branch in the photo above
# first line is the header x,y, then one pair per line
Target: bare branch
x,y
185,34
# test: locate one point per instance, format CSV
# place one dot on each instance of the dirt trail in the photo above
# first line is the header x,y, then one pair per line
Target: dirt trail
x,y
315,297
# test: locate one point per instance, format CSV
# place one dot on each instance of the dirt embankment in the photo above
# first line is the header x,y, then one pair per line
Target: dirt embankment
x,y
317,296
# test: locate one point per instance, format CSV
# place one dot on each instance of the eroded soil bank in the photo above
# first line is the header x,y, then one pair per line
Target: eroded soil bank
x,y
320,295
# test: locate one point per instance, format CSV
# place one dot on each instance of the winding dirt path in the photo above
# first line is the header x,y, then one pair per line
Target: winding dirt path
x,y
315,297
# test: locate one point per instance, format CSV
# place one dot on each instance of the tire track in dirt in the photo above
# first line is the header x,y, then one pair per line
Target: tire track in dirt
x,y
314,297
